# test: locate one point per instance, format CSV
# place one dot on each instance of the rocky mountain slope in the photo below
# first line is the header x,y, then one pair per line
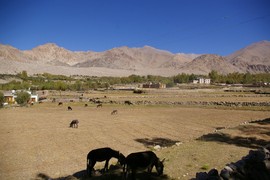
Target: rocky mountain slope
x,y
254,58
208,62
124,61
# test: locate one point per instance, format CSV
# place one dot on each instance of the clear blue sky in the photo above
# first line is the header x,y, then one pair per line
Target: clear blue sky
x,y
179,26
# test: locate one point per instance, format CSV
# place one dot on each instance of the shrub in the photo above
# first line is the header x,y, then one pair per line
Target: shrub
x,y
205,167
22,98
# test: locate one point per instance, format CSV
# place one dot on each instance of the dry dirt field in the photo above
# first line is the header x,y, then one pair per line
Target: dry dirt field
x,y
37,139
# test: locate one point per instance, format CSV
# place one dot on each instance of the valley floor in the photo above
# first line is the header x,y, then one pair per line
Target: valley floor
x,y
37,139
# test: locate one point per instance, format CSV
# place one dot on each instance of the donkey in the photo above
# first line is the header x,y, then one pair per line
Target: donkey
x,y
99,105
74,123
128,103
114,112
141,161
103,154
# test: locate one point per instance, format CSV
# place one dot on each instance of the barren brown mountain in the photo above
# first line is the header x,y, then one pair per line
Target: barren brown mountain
x,y
52,54
254,58
124,61
129,58
208,62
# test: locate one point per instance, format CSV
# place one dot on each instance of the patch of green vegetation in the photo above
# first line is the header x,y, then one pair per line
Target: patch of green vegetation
x,y
83,83
205,167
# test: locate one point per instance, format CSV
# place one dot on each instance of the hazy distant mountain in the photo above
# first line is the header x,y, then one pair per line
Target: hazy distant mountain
x,y
208,62
254,58
12,54
52,54
129,58
179,60
124,61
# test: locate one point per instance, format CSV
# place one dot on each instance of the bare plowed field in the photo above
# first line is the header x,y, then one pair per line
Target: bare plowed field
x,y
38,139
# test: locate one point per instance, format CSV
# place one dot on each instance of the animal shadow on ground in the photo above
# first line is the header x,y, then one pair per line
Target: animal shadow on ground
x,y
252,132
163,142
115,173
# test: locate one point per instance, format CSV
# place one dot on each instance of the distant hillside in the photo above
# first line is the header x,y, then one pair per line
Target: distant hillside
x,y
129,58
208,62
124,61
254,58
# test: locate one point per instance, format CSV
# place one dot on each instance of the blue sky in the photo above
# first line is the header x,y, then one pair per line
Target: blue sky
x,y
179,26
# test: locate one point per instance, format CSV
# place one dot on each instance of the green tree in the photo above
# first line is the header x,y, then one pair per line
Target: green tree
x,y
60,85
214,76
234,78
1,99
78,85
247,79
192,77
135,78
181,78
23,75
22,98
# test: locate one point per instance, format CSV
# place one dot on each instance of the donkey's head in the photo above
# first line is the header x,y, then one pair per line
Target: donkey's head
x,y
159,166
71,124
121,159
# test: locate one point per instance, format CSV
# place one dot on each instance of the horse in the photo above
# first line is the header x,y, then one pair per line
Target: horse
x,y
74,123
102,154
69,108
141,161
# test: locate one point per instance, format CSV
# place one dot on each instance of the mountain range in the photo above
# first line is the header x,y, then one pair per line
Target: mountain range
x,y
124,61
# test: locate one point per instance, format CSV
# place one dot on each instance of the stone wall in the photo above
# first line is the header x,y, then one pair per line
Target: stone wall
x,y
254,166
197,103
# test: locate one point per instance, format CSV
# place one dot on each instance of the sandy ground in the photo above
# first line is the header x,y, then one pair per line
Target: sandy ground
x,y
38,139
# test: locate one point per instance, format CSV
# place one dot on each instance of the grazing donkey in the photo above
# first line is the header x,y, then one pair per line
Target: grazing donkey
x,y
74,123
114,112
99,105
69,108
128,102
142,160
103,154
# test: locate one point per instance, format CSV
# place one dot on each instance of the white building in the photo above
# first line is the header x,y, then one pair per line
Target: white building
x,y
10,96
202,81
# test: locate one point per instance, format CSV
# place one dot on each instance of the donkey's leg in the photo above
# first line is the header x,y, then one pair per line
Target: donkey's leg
x,y
126,172
90,167
106,165
150,168
133,172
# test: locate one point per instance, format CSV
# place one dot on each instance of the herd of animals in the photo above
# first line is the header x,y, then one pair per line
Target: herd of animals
x,y
133,162
75,123
256,165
